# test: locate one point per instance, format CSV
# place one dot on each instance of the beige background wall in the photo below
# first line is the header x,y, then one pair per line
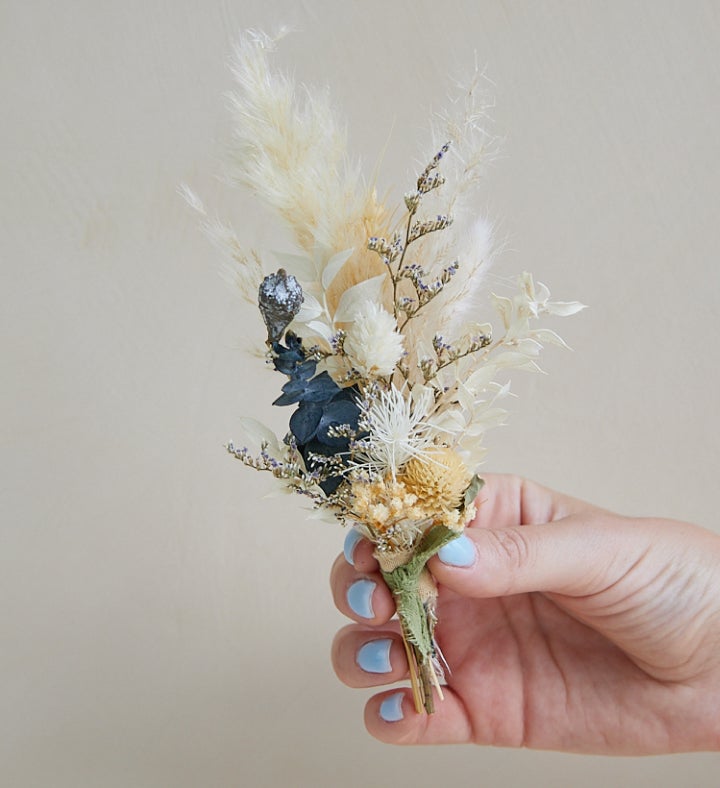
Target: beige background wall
x,y
161,624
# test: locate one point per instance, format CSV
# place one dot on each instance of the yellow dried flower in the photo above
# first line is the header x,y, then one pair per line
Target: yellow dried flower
x,y
439,478
383,503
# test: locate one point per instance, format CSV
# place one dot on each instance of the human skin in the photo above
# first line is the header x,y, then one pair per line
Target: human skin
x,y
572,629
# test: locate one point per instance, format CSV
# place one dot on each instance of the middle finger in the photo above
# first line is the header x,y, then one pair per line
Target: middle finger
x,y
364,597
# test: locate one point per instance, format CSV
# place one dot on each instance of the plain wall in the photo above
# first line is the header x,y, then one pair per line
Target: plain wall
x,y
162,623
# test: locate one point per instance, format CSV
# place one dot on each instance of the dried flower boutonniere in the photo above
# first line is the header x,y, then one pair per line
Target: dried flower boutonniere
x,y
391,380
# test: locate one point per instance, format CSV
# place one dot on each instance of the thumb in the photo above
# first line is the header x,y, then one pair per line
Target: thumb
x,y
577,555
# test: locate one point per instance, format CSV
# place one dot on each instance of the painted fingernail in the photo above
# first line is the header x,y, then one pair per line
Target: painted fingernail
x,y
374,657
459,552
359,597
391,707
351,541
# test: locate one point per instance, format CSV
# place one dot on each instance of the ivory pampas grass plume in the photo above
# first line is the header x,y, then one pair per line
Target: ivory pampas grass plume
x,y
372,320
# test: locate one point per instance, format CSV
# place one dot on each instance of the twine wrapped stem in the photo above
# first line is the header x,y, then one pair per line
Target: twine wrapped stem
x,y
415,592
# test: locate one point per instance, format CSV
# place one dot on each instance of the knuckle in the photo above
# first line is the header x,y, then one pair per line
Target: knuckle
x,y
512,548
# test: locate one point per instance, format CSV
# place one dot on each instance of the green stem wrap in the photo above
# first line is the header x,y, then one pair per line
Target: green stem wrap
x,y
415,610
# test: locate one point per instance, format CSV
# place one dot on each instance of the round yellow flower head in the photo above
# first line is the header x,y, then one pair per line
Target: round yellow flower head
x,y
438,477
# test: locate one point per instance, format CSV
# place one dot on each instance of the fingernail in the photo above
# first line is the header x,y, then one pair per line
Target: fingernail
x,y
374,657
351,541
359,597
459,552
391,707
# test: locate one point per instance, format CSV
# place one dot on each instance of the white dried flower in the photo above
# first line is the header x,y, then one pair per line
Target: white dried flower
x,y
372,342
532,301
397,431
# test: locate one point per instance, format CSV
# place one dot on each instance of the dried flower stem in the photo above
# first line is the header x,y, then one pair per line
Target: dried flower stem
x,y
414,231
414,682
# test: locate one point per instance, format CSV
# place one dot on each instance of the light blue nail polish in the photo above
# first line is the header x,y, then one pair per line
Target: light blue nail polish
x,y
459,552
351,541
391,707
359,597
374,657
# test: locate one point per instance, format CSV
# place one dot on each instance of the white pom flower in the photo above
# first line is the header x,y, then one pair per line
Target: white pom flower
x,y
372,342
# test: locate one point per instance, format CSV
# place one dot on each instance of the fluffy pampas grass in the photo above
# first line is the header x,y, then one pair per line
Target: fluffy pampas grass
x,y
290,150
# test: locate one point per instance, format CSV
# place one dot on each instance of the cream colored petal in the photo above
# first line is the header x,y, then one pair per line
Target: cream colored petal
x,y
300,266
335,263
321,329
311,309
254,434
548,337
353,298
504,307
564,308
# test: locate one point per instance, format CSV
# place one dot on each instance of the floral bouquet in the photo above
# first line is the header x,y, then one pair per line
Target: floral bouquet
x,y
372,324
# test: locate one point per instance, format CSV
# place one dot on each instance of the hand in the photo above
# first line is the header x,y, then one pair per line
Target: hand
x,y
565,627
